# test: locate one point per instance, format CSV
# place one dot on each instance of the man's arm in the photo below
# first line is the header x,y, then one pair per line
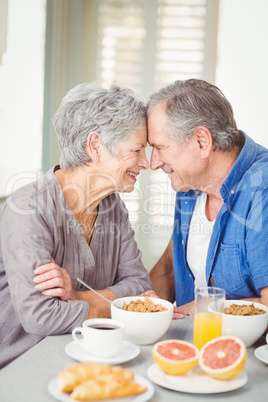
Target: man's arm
x,y
162,275
263,299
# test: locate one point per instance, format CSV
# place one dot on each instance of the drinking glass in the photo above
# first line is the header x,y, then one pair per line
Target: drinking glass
x,y
209,304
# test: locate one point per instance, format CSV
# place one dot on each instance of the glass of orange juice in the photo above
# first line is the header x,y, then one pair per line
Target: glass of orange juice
x,y
209,304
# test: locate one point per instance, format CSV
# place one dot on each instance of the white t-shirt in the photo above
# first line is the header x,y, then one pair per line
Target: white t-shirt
x,y
198,241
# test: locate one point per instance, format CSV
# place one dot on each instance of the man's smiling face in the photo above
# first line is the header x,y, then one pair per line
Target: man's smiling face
x,y
179,161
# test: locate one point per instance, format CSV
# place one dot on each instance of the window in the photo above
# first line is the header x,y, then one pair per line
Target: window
x,y
146,44
21,95
121,33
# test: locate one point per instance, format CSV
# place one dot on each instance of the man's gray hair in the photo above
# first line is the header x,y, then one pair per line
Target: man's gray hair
x,y
114,113
192,103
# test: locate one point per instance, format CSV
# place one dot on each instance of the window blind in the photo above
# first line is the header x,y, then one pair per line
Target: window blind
x,y
145,45
121,31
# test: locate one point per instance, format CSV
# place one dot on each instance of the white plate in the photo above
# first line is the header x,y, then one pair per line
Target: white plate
x,y
55,391
195,381
128,352
262,353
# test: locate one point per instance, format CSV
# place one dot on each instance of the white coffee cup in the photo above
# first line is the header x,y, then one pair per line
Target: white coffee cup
x,y
101,337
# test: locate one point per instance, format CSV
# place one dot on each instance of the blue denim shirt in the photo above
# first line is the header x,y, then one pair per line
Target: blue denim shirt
x,y
237,258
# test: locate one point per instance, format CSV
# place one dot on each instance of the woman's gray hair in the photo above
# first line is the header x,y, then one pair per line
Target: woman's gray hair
x,y
115,113
192,103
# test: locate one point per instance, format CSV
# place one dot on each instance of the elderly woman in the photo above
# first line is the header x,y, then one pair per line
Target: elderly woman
x,y
72,223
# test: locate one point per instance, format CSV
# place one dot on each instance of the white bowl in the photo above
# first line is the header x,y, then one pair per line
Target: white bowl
x,y
248,328
143,328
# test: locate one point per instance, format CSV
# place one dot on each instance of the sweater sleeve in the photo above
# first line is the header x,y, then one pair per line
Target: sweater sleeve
x,y
27,242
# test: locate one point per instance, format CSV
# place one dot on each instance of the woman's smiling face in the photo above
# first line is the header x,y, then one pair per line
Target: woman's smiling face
x,y
130,160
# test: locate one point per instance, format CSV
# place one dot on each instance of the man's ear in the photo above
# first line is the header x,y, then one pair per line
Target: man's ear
x,y
93,146
204,139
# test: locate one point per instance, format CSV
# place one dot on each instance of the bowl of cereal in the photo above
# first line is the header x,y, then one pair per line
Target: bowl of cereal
x,y
245,319
146,319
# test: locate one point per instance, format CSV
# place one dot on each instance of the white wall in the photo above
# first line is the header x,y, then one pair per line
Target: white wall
x,y
21,95
242,72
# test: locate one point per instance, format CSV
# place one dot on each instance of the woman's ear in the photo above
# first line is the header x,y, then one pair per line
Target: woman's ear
x,y
204,140
93,146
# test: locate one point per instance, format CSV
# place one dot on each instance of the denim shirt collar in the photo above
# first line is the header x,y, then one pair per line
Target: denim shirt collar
x,y
241,165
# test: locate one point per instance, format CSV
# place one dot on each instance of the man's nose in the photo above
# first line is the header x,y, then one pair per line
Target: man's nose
x,y
144,163
155,163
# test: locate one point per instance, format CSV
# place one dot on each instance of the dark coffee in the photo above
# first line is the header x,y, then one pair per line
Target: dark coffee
x,y
103,326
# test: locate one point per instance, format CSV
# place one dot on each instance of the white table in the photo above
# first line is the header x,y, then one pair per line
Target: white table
x,y
26,378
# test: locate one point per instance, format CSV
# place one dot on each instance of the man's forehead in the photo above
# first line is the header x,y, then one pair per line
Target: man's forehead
x,y
157,118
157,112
157,139
157,134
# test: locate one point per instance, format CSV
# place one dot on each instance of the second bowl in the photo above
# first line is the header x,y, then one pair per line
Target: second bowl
x,y
248,328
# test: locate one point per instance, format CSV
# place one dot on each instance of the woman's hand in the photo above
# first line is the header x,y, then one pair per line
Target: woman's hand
x,y
54,281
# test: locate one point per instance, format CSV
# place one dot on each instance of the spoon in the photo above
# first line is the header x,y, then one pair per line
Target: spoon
x,y
97,293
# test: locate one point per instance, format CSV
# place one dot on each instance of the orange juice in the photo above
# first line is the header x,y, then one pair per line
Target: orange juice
x,y
206,327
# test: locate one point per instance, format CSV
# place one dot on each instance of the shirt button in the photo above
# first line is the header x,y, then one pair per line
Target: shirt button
x,y
182,242
232,191
186,202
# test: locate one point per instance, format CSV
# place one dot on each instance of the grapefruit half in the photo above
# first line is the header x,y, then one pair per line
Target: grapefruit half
x,y
175,357
223,358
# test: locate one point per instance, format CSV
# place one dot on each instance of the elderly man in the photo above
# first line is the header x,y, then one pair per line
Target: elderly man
x,y
220,234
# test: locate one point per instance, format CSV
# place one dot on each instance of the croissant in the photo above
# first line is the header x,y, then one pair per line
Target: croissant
x,y
106,387
78,373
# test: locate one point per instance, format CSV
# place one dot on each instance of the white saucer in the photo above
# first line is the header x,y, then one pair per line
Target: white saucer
x,y
128,352
54,390
195,381
262,353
